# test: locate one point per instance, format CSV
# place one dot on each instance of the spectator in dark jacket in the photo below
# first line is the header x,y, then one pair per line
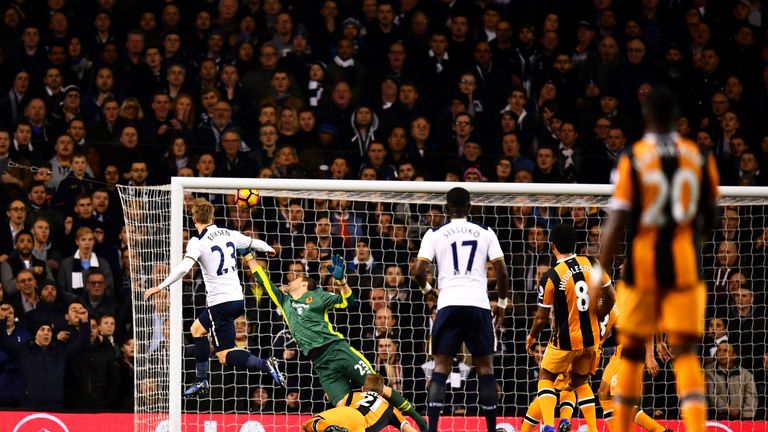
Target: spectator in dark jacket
x,y
10,380
42,363
49,309
92,378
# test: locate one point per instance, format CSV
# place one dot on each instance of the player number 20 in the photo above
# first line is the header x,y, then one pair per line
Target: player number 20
x,y
582,296
682,212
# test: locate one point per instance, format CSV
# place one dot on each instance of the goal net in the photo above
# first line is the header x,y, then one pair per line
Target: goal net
x,y
377,227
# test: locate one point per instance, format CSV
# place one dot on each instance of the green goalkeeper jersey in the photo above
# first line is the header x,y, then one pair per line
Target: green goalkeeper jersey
x,y
307,316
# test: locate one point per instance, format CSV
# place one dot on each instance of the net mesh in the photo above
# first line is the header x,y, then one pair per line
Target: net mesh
x,y
378,233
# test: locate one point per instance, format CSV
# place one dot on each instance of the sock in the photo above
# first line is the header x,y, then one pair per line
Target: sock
x,y
487,399
532,416
201,371
645,421
629,388
398,401
567,404
243,359
436,399
608,414
691,390
547,401
202,353
587,406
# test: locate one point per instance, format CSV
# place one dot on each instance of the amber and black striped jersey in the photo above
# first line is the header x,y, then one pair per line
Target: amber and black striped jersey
x,y
566,288
377,411
664,181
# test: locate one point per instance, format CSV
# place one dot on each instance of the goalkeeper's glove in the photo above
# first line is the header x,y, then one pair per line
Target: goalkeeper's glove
x,y
337,269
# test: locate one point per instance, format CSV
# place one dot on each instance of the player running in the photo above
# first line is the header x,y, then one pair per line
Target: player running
x,y
216,250
305,310
576,334
461,249
666,190
365,411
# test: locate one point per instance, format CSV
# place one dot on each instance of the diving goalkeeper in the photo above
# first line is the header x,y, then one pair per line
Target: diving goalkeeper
x,y
339,367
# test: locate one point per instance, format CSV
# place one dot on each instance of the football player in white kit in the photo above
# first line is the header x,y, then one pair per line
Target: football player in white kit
x,y
216,250
461,249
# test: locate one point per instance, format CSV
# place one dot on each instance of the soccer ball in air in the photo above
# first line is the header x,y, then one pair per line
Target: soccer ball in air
x,y
246,198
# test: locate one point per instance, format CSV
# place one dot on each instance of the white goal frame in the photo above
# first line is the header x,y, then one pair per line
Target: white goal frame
x,y
180,184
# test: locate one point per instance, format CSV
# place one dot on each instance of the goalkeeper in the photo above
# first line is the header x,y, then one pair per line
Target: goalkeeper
x,y
305,309
364,411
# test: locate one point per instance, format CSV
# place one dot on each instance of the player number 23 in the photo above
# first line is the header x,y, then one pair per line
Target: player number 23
x,y
682,212
362,368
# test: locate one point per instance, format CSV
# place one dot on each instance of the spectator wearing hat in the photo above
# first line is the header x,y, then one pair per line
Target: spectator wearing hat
x,y
22,258
365,123
49,309
584,52
70,107
10,378
42,363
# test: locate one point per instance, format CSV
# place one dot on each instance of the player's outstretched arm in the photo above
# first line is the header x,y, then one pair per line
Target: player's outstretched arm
x,y
261,246
338,272
176,273
263,279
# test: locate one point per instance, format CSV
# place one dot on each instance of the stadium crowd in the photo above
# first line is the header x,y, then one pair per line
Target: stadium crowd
x,y
107,92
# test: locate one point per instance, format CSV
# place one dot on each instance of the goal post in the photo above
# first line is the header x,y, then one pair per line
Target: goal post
x,y
156,224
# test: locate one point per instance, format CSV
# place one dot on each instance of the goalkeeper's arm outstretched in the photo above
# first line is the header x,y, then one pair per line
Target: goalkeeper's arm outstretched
x,y
339,366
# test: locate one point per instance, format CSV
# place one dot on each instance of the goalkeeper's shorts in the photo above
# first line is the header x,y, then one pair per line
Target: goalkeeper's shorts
x,y
341,369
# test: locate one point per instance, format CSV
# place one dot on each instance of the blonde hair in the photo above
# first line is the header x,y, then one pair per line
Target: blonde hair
x,y
374,382
82,231
202,211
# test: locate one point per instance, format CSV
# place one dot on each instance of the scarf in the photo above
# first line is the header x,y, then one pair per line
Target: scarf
x,y
567,155
77,271
344,63
315,93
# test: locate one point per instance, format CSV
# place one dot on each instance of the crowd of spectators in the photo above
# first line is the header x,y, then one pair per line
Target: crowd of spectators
x,y
106,92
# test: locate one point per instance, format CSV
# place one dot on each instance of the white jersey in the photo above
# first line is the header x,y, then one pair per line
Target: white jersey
x,y
215,249
461,249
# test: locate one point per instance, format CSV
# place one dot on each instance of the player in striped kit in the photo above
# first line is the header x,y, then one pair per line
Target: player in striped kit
x,y
215,249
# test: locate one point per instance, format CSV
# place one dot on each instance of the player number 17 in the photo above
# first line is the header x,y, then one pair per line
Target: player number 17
x,y
473,245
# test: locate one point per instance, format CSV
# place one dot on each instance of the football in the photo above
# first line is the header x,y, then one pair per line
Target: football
x,y
246,198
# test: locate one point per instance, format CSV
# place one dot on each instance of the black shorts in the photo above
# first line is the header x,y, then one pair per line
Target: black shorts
x,y
219,321
468,324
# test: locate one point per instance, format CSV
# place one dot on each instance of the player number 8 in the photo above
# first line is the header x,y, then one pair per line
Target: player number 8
x,y
582,296
682,212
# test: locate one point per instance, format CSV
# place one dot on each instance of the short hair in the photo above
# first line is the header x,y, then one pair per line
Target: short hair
x,y
457,197
95,272
83,231
23,232
661,107
311,283
374,382
202,211
104,316
563,236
